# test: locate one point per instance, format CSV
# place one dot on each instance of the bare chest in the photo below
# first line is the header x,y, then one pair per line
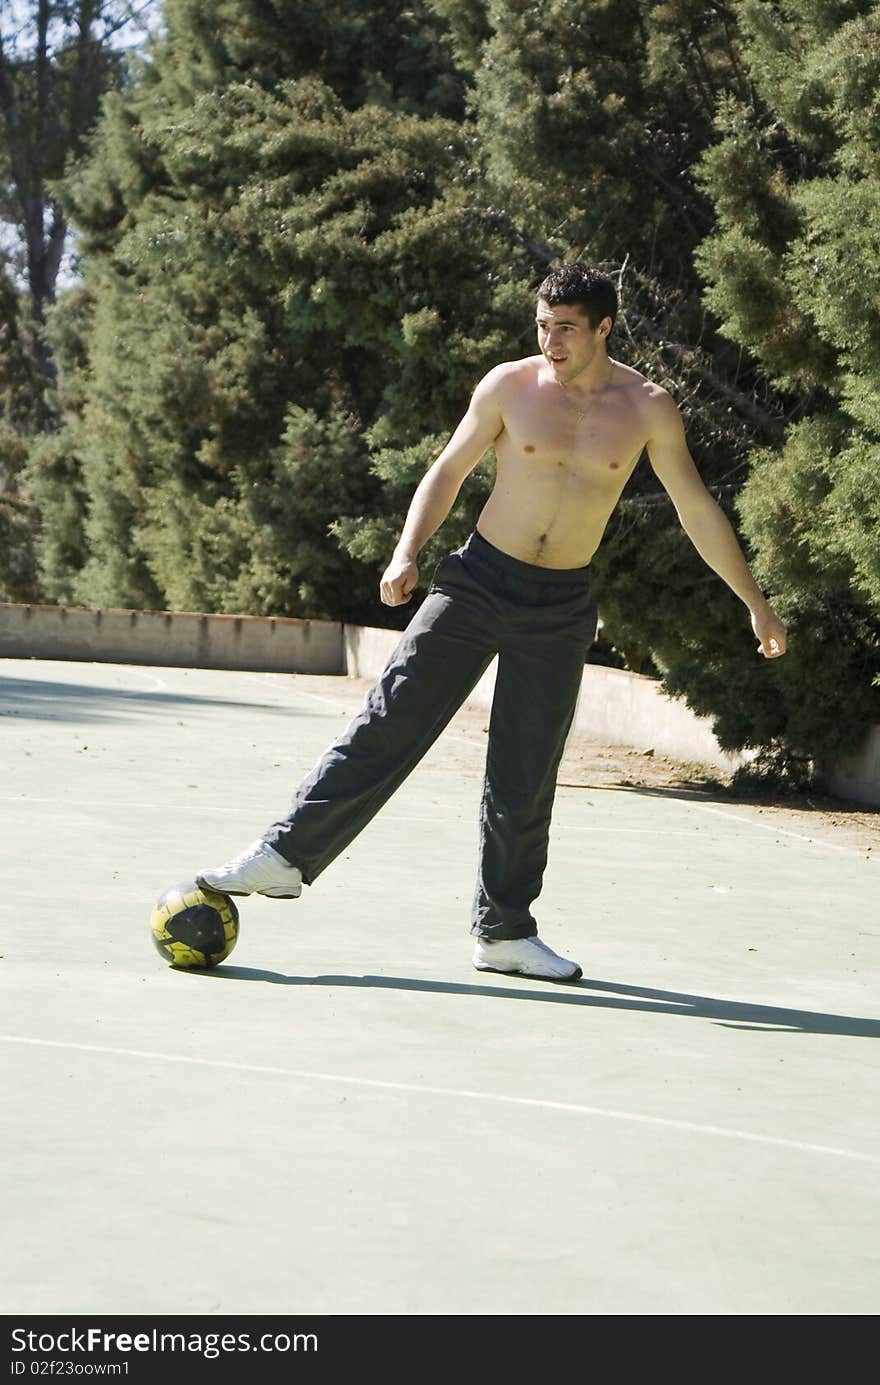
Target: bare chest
x,y
599,437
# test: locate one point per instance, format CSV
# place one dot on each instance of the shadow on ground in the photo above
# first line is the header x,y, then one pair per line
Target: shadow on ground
x,y
78,702
613,996
731,797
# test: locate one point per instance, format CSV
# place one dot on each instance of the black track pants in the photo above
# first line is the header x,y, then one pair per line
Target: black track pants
x,y
541,623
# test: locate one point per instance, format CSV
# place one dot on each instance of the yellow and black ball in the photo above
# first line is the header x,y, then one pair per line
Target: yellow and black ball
x,y
194,927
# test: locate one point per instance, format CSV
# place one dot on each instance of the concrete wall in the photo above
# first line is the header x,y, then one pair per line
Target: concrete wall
x,y
857,776
366,649
614,707
182,639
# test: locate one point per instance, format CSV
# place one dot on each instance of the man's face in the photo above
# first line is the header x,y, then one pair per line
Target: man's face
x,y
565,338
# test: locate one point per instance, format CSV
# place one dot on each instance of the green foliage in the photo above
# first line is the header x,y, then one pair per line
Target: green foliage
x,y
591,116
56,63
18,563
369,52
272,285
25,411
793,272
59,497
304,243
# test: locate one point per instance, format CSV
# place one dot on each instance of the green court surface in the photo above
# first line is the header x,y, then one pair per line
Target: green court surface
x,y
346,1117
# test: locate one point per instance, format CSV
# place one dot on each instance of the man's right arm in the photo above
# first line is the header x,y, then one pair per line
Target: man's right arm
x,y
436,492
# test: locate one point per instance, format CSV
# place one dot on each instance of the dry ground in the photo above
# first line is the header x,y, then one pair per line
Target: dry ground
x,y
588,764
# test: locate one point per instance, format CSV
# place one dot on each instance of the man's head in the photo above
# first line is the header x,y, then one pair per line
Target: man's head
x,y
576,311
576,285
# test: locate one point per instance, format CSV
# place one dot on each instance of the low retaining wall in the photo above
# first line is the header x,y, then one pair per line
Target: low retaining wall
x,y
857,776
181,639
615,707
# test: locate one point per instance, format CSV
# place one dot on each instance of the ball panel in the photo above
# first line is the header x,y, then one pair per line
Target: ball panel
x,y
194,927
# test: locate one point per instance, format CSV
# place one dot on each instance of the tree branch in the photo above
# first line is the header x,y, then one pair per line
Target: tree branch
x,y
772,426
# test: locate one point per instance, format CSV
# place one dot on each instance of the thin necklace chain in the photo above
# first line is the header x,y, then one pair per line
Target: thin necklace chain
x,y
582,413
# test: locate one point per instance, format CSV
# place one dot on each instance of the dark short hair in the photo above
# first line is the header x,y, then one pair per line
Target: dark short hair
x,y
578,284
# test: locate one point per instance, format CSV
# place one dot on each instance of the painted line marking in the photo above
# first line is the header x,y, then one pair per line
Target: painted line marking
x,y
558,826
769,827
535,1103
139,673
165,806
346,709
258,807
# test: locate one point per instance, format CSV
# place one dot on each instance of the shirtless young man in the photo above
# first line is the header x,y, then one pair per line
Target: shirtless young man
x,y
568,427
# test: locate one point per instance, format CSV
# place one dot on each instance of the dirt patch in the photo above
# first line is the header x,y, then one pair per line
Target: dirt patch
x,y
590,764
587,764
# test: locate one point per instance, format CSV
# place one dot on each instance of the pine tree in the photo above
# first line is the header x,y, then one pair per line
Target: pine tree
x,y
25,411
56,62
794,277
270,270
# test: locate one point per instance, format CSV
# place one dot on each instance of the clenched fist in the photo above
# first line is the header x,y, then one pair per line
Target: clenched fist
x,y
770,632
398,581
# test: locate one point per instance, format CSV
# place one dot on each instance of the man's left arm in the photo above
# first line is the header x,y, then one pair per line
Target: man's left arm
x,y
705,523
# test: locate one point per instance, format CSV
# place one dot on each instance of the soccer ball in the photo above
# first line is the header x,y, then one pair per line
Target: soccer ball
x,y
194,927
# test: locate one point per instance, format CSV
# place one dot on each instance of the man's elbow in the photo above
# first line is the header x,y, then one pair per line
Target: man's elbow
x,y
699,511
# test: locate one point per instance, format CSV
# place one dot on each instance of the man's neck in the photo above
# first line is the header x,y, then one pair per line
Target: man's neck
x,y
594,377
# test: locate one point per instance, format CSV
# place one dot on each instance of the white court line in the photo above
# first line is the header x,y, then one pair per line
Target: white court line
x,y
257,807
165,806
537,1103
445,735
123,668
139,673
316,697
769,827
558,827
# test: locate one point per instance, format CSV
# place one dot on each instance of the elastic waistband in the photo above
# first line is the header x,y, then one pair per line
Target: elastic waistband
x,y
484,551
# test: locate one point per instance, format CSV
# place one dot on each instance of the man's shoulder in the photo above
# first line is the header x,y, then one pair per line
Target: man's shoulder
x,y
507,370
630,378
646,394
507,373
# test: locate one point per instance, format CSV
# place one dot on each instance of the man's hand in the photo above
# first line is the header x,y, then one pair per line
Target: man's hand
x,y
770,632
398,581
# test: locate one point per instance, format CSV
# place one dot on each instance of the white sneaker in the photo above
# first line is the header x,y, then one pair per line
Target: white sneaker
x,y
524,957
259,869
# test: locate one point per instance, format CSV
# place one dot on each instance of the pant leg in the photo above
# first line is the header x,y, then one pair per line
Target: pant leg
x,y
444,650
540,669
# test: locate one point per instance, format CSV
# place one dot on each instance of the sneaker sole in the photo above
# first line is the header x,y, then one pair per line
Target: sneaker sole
x,y
532,975
245,894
